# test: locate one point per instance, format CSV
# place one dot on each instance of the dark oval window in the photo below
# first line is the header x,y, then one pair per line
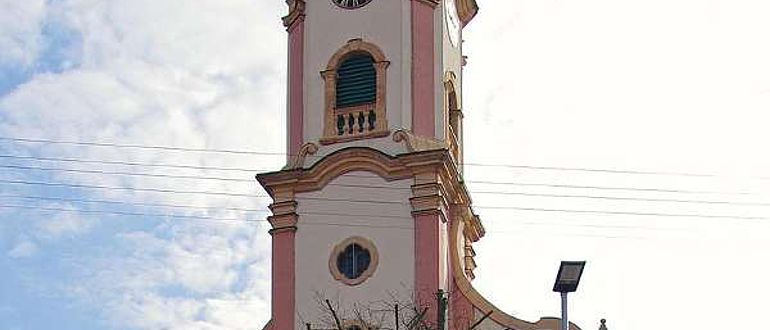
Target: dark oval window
x,y
356,81
353,261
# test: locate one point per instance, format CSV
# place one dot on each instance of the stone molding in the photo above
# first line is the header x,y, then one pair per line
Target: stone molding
x,y
298,160
296,13
414,143
436,186
467,10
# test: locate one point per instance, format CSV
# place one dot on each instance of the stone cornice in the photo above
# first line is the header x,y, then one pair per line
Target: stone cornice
x,y
437,184
296,13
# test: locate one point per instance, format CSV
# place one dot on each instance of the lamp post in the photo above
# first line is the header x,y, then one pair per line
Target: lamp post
x,y
567,281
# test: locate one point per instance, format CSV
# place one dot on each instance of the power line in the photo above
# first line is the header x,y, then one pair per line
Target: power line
x,y
569,186
191,217
142,146
101,201
662,200
168,176
314,223
523,184
552,185
578,211
170,191
256,153
205,218
387,202
603,170
109,162
681,215
352,175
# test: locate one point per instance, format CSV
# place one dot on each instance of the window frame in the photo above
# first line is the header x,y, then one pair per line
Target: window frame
x,y
331,112
340,249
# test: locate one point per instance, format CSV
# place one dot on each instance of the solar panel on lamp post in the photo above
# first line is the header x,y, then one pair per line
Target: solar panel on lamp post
x,y
567,281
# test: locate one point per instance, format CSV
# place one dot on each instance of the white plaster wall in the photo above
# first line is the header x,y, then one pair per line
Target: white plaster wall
x,y
385,23
389,226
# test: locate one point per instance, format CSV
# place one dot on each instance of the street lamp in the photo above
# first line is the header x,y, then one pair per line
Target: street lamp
x,y
567,281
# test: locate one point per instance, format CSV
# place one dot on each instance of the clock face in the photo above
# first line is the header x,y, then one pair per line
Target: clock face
x,y
452,22
351,4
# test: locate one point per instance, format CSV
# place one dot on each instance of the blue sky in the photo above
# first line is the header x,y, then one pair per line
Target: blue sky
x,y
663,86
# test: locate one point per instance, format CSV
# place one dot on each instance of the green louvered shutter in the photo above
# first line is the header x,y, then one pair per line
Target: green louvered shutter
x,y
356,81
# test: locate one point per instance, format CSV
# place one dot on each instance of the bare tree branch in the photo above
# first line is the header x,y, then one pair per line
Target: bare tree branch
x,y
334,314
480,320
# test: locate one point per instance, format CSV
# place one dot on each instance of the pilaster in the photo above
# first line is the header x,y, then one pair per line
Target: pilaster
x,y
423,67
295,26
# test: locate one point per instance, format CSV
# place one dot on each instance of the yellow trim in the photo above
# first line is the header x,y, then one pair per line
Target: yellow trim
x,y
467,10
296,11
453,135
483,305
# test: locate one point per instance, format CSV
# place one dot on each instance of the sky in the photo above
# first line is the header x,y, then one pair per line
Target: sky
x,y
612,120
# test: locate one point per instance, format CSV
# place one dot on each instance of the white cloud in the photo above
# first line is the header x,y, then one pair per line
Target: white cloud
x,y
23,249
186,283
173,73
20,31
63,223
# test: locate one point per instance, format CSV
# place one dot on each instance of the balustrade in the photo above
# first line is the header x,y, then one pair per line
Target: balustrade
x,y
356,120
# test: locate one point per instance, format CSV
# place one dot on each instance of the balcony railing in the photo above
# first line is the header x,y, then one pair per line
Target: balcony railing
x,y
354,121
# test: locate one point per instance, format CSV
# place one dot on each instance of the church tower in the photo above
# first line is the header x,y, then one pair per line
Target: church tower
x,y
371,205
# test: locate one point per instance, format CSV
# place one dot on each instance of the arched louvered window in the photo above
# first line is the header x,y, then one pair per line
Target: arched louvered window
x,y
354,92
356,81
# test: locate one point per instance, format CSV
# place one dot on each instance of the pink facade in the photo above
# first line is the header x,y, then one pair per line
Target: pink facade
x,y
296,93
423,69
427,253
283,304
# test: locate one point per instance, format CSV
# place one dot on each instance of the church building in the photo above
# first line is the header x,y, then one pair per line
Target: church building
x,y
371,207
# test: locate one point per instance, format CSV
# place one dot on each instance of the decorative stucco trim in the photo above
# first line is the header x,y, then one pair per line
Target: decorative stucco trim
x,y
296,12
453,133
298,160
467,10
479,302
414,143
339,248
355,46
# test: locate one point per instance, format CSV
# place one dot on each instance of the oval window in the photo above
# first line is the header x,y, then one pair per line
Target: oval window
x,y
353,260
